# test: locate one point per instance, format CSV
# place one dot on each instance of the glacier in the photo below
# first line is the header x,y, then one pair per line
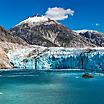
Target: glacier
x,y
61,58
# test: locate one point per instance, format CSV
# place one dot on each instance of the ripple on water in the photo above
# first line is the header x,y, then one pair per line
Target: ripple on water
x,y
1,93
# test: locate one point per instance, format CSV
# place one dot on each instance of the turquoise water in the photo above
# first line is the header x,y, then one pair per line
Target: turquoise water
x,y
45,87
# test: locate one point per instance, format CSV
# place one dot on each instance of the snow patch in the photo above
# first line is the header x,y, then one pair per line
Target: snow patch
x,y
84,31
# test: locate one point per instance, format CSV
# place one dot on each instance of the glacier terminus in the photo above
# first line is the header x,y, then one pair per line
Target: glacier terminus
x,y
59,58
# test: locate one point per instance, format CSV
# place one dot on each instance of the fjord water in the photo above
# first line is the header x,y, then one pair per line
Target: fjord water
x,y
48,87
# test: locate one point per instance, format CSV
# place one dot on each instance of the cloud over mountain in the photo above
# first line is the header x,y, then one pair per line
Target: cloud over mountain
x,y
57,13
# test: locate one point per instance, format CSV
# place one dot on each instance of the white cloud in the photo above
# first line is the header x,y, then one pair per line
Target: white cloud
x,y
97,24
58,13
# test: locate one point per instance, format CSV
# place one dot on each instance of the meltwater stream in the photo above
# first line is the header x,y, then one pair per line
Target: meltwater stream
x,y
50,87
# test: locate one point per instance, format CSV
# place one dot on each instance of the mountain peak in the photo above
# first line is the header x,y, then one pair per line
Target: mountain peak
x,y
35,19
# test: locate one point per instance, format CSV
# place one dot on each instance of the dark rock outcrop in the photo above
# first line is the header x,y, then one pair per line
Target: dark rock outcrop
x,y
87,75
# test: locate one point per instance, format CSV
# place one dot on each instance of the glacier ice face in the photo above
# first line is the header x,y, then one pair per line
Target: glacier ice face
x,y
24,58
20,59
62,58
90,59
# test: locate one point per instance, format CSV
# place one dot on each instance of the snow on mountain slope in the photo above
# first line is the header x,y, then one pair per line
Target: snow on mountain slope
x,y
85,30
37,20
34,19
92,36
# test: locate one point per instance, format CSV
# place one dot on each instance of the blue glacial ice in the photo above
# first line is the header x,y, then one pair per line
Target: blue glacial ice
x,y
63,58
20,60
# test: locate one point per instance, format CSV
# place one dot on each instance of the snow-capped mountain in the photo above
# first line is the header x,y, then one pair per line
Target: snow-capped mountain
x,y
92,36
37,20
40,30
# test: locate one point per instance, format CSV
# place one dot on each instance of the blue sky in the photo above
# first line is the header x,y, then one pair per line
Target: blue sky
x,y
89,14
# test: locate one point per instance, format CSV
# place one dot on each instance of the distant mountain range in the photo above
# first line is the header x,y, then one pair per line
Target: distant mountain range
x,y
92,36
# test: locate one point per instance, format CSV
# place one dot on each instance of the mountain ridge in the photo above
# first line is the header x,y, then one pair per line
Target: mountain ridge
x,y
92,36
6,36
48,33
